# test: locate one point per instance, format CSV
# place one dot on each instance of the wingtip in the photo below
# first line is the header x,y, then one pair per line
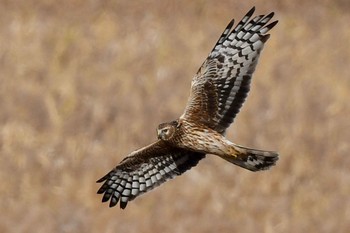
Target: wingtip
x,y
105,177
102,178
113,202
123,204
271,25
229,26
267,28
251,11
106,197
270,15
101,190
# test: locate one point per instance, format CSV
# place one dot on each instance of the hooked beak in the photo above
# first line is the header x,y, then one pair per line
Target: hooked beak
x,y
159,134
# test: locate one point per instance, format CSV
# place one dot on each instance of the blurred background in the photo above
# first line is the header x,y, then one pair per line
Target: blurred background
x,y
84,83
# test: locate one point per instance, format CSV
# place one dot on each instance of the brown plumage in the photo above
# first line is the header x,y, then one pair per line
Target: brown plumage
x,y
218,91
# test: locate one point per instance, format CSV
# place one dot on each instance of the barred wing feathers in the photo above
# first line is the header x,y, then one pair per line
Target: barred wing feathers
x,y
144,170
222,83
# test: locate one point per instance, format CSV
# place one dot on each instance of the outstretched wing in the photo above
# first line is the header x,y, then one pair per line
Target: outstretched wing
x,y
222,83
144,170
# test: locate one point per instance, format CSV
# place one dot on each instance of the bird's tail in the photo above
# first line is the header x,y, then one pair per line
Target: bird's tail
x,y
251,159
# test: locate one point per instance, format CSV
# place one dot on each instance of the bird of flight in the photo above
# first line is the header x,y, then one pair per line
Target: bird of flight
x,y
218,91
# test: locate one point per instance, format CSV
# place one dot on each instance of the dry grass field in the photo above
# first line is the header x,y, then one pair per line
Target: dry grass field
x,y
83,83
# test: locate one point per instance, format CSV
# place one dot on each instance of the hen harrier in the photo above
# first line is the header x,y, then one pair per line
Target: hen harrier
x,y
218,91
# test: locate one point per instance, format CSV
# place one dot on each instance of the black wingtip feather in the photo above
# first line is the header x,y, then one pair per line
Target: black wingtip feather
x,y
271,25
103,178
264,38
123,204
230,24
251,12
106,197
269,16
101,190
113,201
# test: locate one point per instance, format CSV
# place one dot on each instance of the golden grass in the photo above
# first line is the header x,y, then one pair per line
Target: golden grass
x,y
83,83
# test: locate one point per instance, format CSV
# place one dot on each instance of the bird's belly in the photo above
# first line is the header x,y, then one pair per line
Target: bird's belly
x,y
206,141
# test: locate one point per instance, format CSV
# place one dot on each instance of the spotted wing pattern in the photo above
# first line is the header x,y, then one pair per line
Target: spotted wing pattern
x,y
222,83
144,170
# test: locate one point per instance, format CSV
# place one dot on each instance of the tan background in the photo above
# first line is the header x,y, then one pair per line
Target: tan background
x,y
83,83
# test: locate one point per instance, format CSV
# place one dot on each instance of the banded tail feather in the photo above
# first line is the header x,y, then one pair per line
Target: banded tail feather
x,y
252,159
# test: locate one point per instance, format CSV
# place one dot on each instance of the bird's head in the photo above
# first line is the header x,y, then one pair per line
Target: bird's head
x,y
166,131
